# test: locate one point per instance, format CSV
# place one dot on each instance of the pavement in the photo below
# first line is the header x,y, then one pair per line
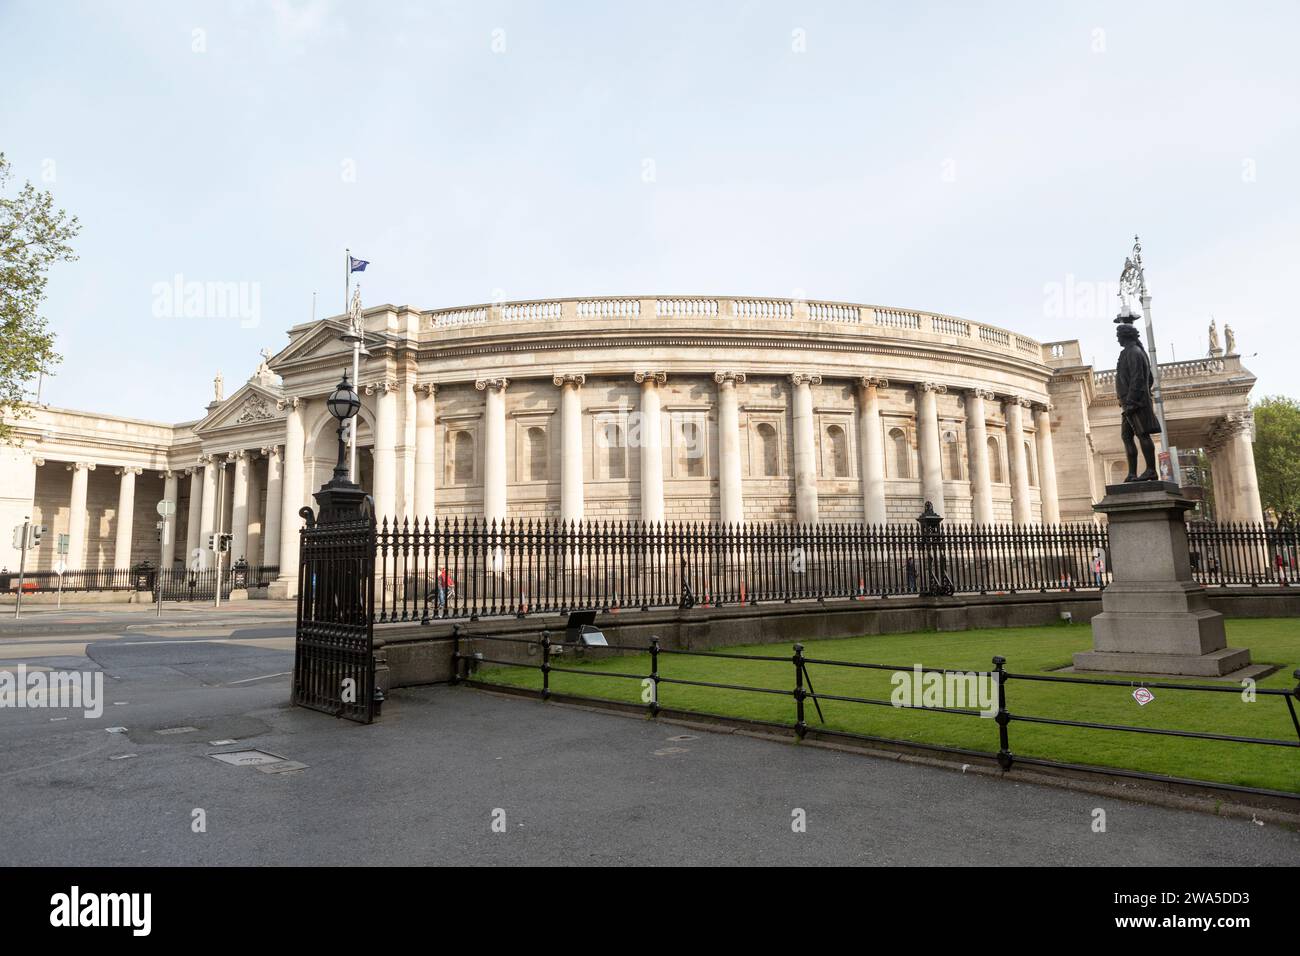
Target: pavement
x,y
453,775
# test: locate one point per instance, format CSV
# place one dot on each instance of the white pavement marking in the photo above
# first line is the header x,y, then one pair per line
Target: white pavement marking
x,y
247,680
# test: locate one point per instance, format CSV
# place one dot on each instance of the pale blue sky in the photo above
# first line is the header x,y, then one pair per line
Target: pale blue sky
x,y
956,157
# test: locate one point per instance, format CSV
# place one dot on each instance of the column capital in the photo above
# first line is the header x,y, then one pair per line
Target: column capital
x,y
383,385
653,377
273,451
497,384
129,470
805,378
984,393
207,458
38,462
1042,408
168,473
237,455
1019,400
429,388
290,402
576,379
80,466
729,378
936,387
1229,427
873,381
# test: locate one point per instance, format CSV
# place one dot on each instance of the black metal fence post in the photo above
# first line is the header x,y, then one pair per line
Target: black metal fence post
x,y
455,654
546,665
800,725
1004,716
654,677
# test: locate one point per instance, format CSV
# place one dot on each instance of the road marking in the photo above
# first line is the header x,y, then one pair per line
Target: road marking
x,y
247,680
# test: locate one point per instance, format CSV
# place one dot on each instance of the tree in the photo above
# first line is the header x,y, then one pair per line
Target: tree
x,y
33,236
1277,453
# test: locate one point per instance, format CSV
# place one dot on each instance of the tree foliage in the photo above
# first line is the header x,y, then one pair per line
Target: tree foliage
x,y
33,236
1277,453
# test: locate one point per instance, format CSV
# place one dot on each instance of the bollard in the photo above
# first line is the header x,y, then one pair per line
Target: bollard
x,y
654,676
455,654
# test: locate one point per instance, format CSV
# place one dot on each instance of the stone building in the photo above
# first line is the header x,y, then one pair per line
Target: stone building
x,y
672,408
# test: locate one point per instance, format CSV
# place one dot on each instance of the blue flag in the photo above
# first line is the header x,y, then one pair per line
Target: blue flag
x,y
357,265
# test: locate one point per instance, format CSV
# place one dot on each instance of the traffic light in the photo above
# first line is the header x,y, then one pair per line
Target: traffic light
x,y
18,536
37,532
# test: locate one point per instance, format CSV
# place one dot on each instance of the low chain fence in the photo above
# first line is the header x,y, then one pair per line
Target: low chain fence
x,y
805,700
174,584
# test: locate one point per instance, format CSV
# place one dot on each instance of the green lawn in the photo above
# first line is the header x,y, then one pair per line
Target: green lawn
x,y
1027,650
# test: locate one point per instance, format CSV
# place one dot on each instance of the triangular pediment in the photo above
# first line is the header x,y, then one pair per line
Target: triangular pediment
x,y
320,341
252,404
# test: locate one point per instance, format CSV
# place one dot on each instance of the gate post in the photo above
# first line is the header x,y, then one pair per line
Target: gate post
x,y
334,661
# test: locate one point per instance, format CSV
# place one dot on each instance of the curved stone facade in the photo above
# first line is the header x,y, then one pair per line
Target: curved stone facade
x,y
669,408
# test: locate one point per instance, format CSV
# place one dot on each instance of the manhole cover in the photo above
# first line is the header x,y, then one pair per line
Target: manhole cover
x,y
670,750
247,758
176,730
283,766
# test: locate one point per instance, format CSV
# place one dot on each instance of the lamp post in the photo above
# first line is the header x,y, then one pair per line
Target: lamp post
x,y
341,498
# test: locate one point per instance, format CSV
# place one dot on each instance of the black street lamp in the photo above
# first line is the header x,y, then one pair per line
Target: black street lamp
x,y
340,498
343,404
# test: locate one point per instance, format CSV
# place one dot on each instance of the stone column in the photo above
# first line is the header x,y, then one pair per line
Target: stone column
x,y
572,501
385,449
291,485
871,449
194,525
927,427
731,495
1046,465
124,524
208,520
426,440
977,440
76,557
274,504
1020,512
1232,441
651,442
169,528
805,448
239,508
494,448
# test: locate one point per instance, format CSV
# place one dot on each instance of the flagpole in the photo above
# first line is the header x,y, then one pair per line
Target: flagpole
x,y
356,335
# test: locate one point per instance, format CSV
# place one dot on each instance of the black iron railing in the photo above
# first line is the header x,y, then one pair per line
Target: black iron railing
x,y
176,584
1235,554
469,568
801,692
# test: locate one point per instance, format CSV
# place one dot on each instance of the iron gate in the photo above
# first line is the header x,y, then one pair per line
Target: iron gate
x,y
334,662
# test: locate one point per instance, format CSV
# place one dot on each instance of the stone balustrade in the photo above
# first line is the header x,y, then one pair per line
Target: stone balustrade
x,y
869,318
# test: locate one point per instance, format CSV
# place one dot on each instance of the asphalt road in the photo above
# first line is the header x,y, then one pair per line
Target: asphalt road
x,y
426,784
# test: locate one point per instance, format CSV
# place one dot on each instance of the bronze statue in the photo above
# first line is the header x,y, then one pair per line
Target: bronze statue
x,y
1133,383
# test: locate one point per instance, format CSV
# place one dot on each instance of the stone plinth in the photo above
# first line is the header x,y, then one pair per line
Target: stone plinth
x,y
1155,619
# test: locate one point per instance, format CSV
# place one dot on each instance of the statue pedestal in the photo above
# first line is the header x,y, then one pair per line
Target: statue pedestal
x,y
1155,619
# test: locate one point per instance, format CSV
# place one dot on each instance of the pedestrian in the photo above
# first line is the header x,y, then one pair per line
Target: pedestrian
x,y
911,574
1098,567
